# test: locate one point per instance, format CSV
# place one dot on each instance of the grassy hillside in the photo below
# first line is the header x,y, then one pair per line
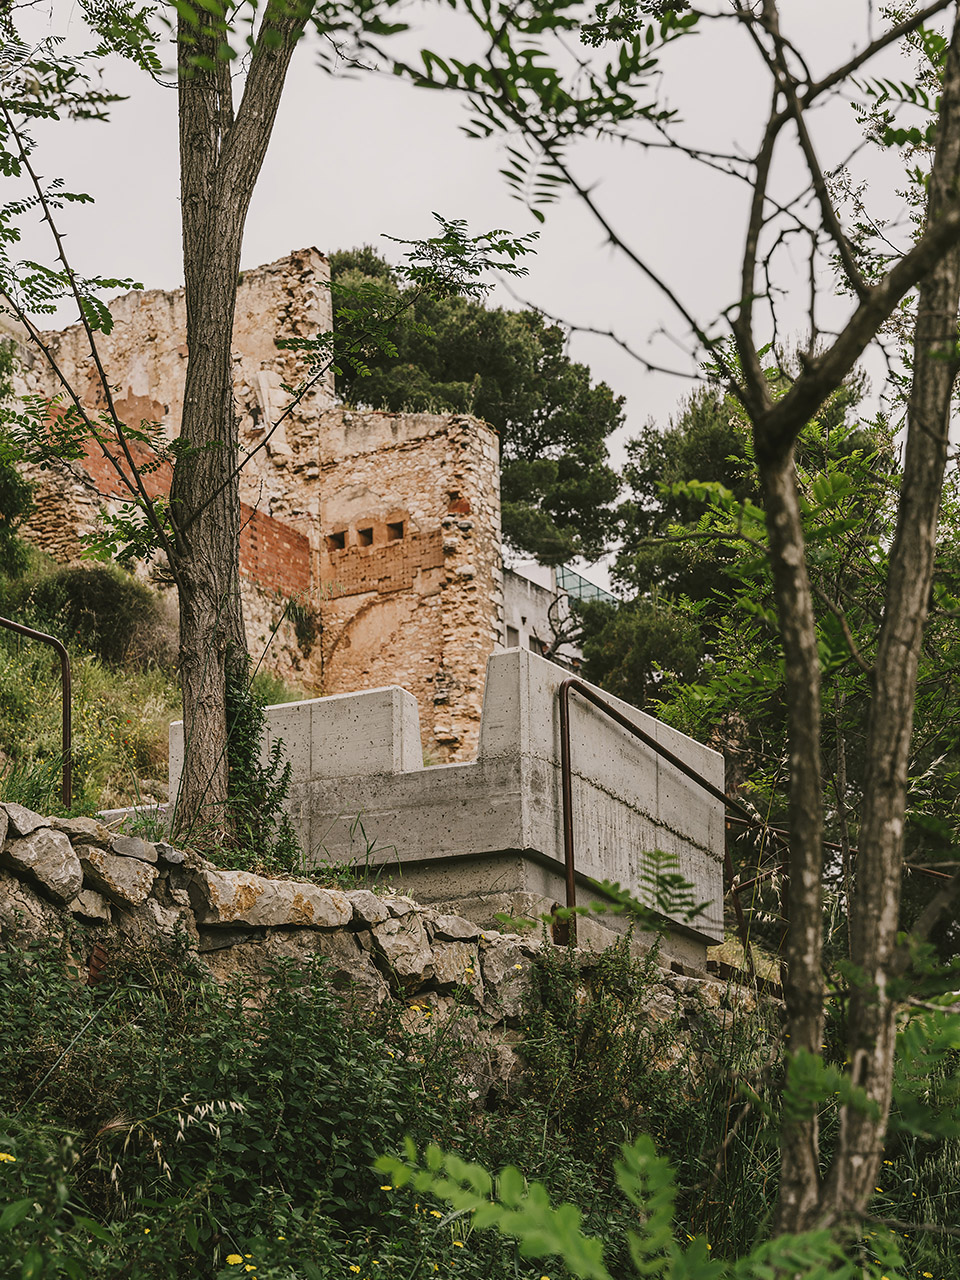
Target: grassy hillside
x,y
121,636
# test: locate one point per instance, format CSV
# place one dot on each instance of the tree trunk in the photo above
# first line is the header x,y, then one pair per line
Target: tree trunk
x,y
803,981
876,897
221,155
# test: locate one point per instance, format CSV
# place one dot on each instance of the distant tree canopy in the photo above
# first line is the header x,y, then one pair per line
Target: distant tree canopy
x,y
674,570
510,369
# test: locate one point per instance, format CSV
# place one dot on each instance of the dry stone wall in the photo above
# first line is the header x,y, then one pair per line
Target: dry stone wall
x,y
435,965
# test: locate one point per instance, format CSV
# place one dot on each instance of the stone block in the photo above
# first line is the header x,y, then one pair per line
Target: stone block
x,y
45,856
405,949
22,821
452,929
455,964
133,847
368,909
91,906
239,897
84,831
125,881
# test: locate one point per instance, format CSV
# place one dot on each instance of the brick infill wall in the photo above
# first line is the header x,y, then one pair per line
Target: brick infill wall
x,y
272,554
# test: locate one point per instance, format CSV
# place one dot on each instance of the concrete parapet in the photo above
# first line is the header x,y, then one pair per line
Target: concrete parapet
x,y
376,732
494,826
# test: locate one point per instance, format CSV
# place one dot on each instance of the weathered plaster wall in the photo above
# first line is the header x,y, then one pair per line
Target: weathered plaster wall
x,y
384,528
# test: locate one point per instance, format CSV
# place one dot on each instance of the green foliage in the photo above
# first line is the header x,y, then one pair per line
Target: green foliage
x,y
193,1130
452,354
262,837
121,710
160,1124
104,610
16,492
524,1212
601,1069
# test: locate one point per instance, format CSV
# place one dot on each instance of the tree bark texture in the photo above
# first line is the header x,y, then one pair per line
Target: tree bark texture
x,y
803,950
221,154
874,908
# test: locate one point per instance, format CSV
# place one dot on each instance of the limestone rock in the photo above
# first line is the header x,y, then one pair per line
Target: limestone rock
x,y
84,831
399,905
455,964
215,939
238,897
352,970
4,824
133,847
125,881
255,954
24,821
453,928
402,941
46,856
153,920
368,909
428,1010
91,906
171,856
24,916
504,963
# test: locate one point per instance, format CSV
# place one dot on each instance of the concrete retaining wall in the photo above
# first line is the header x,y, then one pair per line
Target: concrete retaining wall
x,y
491,830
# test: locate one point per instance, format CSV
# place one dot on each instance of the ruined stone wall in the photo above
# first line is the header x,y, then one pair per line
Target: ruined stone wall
x,y
384,529
409,564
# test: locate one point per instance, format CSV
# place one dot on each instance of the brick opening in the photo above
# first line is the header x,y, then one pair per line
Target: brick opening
x,y
395,531
337,541
364,537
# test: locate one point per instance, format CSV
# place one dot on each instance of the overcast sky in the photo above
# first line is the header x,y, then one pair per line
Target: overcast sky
x,y
353,159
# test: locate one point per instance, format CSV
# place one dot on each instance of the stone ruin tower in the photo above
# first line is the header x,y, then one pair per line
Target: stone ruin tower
x,y
370,550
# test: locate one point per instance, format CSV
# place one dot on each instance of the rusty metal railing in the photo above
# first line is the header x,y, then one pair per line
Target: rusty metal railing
x,y
745,817
66,793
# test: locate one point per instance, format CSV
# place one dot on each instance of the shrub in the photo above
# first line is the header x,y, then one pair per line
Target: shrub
x,y
106,610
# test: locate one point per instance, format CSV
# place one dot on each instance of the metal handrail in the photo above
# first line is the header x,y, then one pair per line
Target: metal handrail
x,y
573,685
66,793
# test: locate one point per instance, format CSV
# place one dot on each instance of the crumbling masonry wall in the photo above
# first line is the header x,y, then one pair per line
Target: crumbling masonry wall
x,y
382,528
409,564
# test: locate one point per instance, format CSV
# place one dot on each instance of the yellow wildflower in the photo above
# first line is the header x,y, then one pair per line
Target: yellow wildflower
x,y
146,1231
355,1269
458,1244
233,1259
928,1275
386,1187
435,1213
6,1157
249,1267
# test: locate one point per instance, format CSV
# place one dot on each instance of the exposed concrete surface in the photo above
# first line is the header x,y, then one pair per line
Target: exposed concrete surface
x,y
494,827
